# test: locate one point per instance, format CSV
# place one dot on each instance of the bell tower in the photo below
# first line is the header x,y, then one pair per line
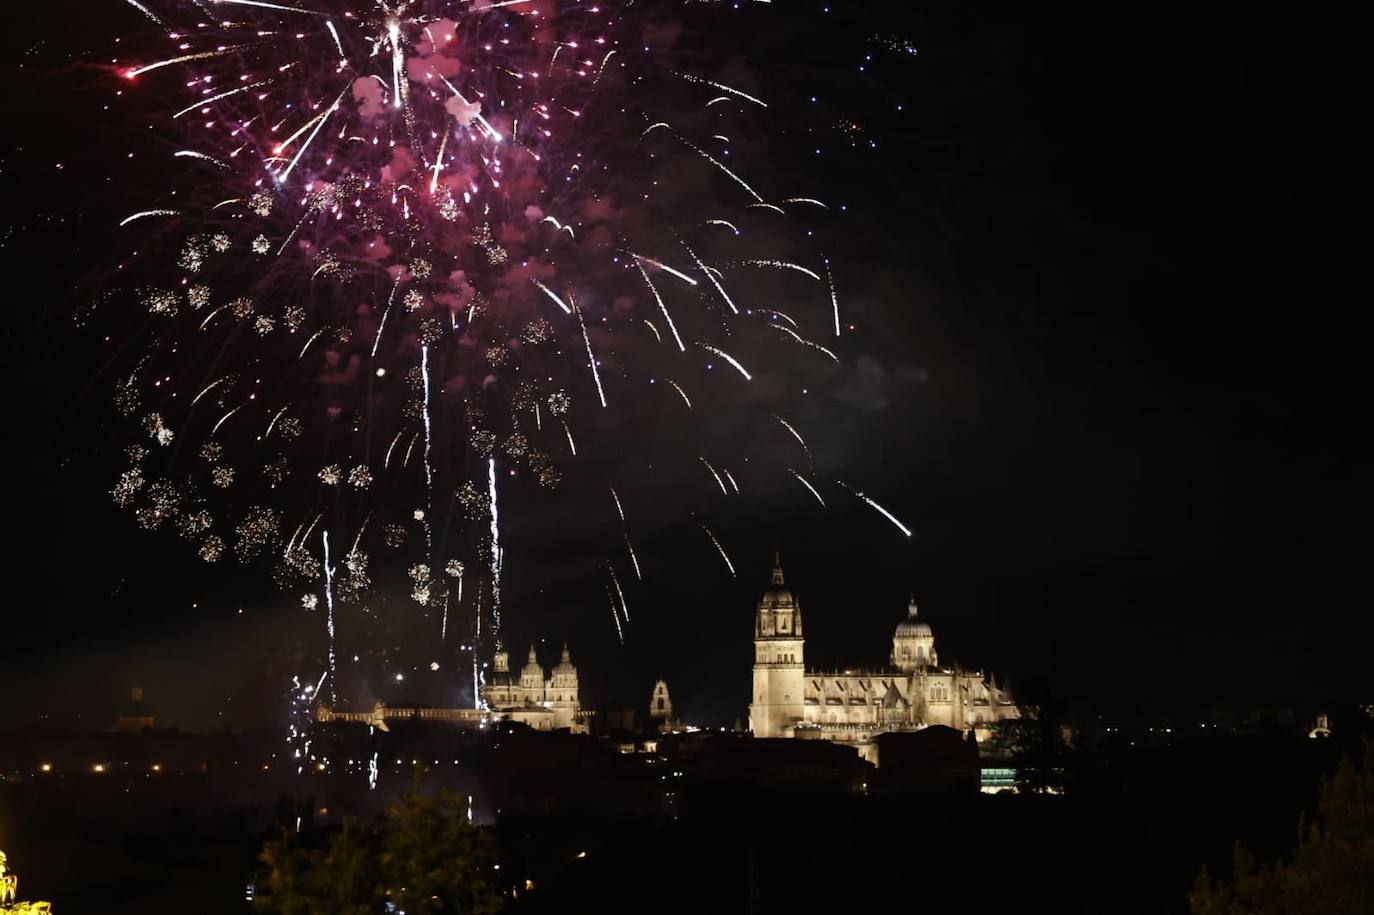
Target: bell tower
x,y
777,703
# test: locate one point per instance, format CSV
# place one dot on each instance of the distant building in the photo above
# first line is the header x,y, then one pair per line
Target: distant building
x,y
854,706
543,703
135,716
661,710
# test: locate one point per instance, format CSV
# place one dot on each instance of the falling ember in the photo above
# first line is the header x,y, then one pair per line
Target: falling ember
x,y
811,489
882,511
728,358
720,549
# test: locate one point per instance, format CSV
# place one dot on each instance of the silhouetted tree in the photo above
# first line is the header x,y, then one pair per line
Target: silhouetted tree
x,y
1331,871
424,859
1039,740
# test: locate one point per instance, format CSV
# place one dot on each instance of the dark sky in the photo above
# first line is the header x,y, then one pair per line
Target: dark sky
x,y
1103,364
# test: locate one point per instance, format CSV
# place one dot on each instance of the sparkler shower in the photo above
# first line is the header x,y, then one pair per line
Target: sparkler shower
x,y
421,252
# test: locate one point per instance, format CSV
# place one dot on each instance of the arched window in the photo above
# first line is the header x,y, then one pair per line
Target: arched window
x,y
920,651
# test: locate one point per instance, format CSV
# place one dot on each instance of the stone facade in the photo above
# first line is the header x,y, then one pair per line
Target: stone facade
x,y
854,706
544,703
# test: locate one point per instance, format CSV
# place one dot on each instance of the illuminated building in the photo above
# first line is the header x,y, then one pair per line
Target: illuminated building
x,y
543,703
854,706
136,716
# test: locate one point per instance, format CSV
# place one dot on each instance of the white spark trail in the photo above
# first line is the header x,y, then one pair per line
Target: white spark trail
x,y
192,154
281,179
662,307
624,607
553,295
145,11
681,393
719,481
834,299
329,603
721,86
728,358
808,485
785,265
712,277
884,512
129,219
591,358
495,551
728,564
215,98
795,434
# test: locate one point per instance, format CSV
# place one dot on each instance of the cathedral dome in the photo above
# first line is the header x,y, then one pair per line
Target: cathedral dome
x,y
911,626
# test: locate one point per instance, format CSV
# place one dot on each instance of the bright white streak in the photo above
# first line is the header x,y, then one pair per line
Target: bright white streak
x,y
803,341
275,417
329,23
728,358
721,86
313,337
224,417
205,390
281,179
728,564
884,512
571,444
591,358
495,550
834,299
269,6
381,325
129,219
634,560
620,633
681,393
795,434
624,607
659,299
718,164
192,154
553,295
662,266
714,282
387,463
811,200
787,265
203,55
721,222
807,484
429,472
145,11
329,603
733,484
215,98
438,163
719,481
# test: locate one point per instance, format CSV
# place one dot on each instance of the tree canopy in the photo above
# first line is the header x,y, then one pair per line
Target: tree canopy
x,y
424,858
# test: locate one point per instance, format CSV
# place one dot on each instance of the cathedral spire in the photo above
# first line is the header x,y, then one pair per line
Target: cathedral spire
x,y
911,608
777,567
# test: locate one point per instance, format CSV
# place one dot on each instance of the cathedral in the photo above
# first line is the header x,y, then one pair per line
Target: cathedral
x,y
854,706
543,703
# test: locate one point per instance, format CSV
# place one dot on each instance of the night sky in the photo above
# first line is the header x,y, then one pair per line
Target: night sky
x,y
1103,364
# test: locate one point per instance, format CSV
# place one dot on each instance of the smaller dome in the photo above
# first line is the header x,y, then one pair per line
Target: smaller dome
x,y
911,626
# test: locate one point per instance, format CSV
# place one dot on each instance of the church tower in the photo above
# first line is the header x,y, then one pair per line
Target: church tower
x,y
777,703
